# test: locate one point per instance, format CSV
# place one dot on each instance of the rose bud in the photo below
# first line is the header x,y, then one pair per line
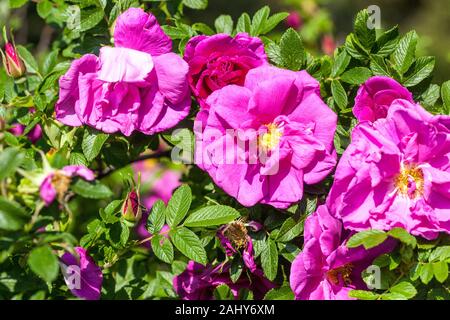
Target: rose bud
x,y
131,209
294,20
12,62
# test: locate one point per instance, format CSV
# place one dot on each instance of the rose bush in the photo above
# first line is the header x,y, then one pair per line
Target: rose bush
x,y
146,156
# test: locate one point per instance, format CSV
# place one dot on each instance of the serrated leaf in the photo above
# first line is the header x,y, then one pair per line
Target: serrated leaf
x,y
178,205
188,244
387,42
366,36
93,142
223,292
259,20
339,94
340,64
292,51
445,93
196,4
357,75
162,248
440,271
273,21
95,190
236,270
224,24
403,235
89,18
289,230
369,239
269,260
157,217
363,295
28,59
403,56
379,67
77,158
244,23
212,216
440,254
283,293
426,273
44,263
44,8
405,289
423,67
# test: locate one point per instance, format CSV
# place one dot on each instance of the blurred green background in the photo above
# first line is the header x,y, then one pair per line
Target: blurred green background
x,y
324,22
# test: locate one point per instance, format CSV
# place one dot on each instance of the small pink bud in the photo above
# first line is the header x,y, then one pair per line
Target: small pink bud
x,y
13,63
131,209
294,20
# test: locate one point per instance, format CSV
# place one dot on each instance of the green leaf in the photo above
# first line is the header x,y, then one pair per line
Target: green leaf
x,y
14,4
259,20
157,217
289,230
224,24
282,293
405,289
10,160
94,190
12,215
430,96
196,4
188,244
341,63
369,239
445,93
269,260
356,76
440,271
243,23
93,142
273,21
44,8
440,254
426,273
223,292
28,59
90,18
365,35
203,28
379,67
162,248
292,51
422,69
77,158
363,295
403,235
236,270
339,94
178,205
212,216
44,263
387,42
403,56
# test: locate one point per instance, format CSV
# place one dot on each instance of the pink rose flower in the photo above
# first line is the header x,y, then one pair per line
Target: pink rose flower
x,y
138,85
261,142
396,173
198,282
376,96
57,182
220,60
326,269
89,275
34,135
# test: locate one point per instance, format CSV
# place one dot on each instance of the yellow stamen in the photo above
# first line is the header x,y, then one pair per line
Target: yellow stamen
x,y
271,138
61,183
343,272
410,182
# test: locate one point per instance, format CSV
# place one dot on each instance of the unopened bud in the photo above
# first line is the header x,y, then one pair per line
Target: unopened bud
x,y
131,209
13,63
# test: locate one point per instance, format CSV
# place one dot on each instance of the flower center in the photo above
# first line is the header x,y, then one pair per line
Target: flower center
x,y
236,232
410,181
61,183
343,273
271,138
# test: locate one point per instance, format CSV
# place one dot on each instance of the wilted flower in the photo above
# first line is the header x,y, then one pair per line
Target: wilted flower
x,y
57,182
83,277
396,173
326,269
